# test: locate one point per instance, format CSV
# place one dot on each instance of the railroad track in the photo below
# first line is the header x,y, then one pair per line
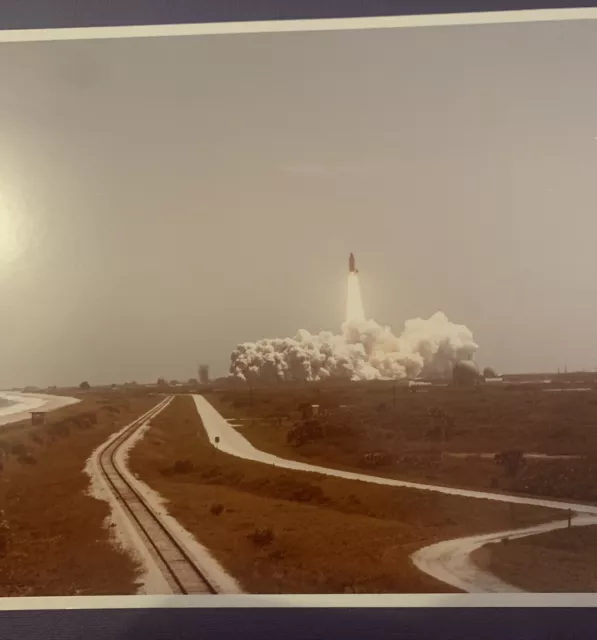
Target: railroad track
x,y
176,564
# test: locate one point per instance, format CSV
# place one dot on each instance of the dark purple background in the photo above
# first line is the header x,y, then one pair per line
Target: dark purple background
x,y
302,624
288,624
36,14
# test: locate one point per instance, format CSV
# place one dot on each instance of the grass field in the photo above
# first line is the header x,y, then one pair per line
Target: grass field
x,y
437,434
560,561
52,538
293,532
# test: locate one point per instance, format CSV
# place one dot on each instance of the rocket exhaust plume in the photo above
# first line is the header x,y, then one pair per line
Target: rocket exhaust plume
x,y
364,350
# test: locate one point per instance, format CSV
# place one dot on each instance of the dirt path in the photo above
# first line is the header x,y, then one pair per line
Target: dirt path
x,y
448,561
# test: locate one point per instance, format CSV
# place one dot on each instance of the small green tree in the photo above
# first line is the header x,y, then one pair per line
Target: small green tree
x,y
85,386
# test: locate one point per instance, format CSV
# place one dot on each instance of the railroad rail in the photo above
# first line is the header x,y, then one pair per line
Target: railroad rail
x,y
177,565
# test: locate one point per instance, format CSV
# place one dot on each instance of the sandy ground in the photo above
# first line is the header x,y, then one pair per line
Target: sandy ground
x,y
447,561
125,534
24,403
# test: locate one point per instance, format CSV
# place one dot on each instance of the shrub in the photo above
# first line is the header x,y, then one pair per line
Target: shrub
x,y
85,386
216,509
262,536
19,449
27,458
305,432
377,458
512,461
84,420
288,487
60,429
183,466
306,410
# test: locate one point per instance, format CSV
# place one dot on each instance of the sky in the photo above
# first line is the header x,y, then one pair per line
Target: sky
x,y
163,199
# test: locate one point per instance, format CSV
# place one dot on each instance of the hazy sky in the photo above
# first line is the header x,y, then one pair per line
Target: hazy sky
x,y
163,199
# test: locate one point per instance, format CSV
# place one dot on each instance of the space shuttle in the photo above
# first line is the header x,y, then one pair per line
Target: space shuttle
x,y
352,264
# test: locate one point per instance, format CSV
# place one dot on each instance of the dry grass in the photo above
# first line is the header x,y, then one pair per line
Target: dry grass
x,y
561,561
296,532
52,539
393,432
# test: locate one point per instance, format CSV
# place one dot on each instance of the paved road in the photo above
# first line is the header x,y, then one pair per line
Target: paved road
x,y
24,403
448,561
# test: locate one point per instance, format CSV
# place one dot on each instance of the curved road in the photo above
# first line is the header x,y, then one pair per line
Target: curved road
x,y
448,561
23,403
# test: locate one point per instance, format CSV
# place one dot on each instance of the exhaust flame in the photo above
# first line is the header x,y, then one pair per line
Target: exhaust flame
x,y
354,302
364,350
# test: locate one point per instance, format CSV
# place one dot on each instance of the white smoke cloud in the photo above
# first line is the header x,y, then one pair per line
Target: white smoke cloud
x,y
364,350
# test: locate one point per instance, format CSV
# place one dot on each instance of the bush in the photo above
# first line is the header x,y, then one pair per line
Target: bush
x,y
83,420
216,509
19,449
353,500
27,458
183,466
85,386
262,536
288,487
305,432
60,429
377,459
512,461
306,410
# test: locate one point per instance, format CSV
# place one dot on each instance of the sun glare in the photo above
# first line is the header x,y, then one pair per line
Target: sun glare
x,y
10,245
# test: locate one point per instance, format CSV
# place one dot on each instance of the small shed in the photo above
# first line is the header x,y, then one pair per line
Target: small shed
x,y
38,417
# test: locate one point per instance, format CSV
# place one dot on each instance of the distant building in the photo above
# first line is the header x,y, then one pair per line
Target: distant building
x,y
38,417
465,374
204,374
